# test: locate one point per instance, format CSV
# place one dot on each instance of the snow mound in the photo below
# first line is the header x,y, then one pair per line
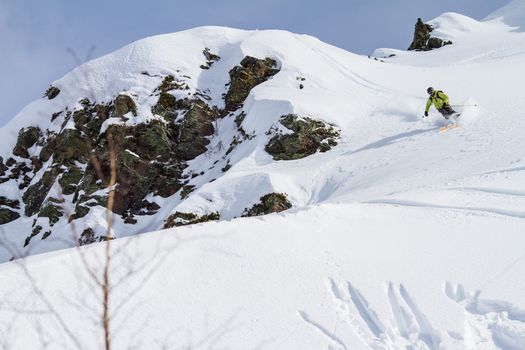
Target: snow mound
x,y
512,14
450,25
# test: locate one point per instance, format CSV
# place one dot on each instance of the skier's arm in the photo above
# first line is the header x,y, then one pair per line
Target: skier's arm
x,y
429,103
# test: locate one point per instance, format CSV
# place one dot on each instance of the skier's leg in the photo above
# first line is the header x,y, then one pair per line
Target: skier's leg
x,y
449,109
444,112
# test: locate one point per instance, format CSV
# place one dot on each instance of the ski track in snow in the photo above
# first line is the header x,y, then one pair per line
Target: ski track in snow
x,y
488,324
496,211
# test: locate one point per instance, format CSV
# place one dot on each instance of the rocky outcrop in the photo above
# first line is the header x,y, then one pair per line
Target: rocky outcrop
x,y
8,214
194,130
183,219
27,137
70,179
167,105
306,138
423,41
70,164
52,92
269,203
88,236
52,210
71,145
251,72
211,58
37,193
123,105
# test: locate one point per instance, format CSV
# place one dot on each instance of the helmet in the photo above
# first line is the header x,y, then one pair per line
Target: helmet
x,y
430,90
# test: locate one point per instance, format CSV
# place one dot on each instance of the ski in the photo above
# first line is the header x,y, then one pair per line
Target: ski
x,y
448,127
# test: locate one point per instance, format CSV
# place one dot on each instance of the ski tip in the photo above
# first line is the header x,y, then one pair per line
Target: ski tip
x,y
448,127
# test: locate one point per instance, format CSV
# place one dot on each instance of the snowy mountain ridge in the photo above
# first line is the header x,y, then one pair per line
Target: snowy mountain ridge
x,y
394,228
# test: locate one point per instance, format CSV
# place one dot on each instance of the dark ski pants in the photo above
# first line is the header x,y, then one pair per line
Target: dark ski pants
x,y
446,111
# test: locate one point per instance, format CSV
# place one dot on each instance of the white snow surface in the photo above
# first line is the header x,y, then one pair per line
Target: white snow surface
x,y
401,237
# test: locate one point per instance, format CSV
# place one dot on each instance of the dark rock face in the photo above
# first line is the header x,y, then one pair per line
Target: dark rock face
x,y
168,106
35,194
150,158
269,203
11,203
436,43
7,215
123,105
244,78
423,41
183,219
194,130
211,58
3,167
52,92
70,180
308,136
71,145
36,230
52,210
27,137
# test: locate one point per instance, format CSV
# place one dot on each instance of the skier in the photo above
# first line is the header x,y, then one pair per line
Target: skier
x,y
440,101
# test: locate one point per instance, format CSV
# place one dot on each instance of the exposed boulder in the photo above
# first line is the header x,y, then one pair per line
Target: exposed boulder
x,y
87,237
422,39
211,58
135,178
168,182
70,145
52,92
308,136
125,104
47,150
51,211
251,72
436,43
3,167
11,203
166,107
183,219
70,180
36,230
186,191
152,140
35,194
27,137
7,215
89,120
269,203
171,83
194,130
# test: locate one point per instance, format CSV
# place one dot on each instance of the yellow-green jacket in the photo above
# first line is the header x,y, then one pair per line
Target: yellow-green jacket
x,y
438,99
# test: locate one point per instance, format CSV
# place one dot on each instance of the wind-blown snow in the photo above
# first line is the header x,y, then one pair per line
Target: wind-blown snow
x,y
512,14
392,233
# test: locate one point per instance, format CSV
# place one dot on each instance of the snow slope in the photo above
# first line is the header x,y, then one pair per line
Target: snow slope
x,y
400,238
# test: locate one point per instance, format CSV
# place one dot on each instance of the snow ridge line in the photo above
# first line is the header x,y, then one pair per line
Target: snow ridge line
x,y
407,203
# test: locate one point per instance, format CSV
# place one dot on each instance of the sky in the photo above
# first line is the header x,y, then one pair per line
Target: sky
x,y
40,41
